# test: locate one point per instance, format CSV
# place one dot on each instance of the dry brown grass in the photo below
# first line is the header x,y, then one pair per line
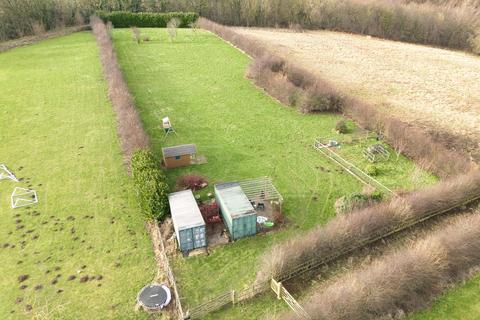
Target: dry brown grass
x,y
424,86
358,227
129,126
296,86
402,281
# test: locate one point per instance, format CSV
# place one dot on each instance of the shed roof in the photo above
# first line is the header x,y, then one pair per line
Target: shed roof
x,y
234,199
185,211
179,150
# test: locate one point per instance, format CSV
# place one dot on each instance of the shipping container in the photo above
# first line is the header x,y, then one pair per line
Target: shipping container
x,y
187,221
237,210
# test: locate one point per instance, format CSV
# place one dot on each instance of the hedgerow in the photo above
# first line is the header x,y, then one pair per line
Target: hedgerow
x,y
298,87
150,185
345,232
124,19
403,281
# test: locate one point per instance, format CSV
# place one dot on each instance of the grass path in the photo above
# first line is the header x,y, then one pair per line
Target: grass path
x,y
198,81
58,134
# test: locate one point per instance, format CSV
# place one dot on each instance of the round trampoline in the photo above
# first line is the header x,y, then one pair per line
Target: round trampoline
x,y
154,297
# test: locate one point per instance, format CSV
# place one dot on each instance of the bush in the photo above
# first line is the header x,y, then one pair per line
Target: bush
x,y
150,185
403,281
129,126
192,181
123,19
371,170
341,126
356,228
297,86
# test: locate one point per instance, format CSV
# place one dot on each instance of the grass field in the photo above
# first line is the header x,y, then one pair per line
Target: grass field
x,y
58,134
198,81
460,303
432,87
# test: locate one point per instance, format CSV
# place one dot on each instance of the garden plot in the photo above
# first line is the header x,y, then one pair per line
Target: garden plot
x,y
435,88
81,252
199,82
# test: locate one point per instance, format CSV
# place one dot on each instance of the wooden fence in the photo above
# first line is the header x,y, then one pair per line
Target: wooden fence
x,y
282,293
162,260
231,297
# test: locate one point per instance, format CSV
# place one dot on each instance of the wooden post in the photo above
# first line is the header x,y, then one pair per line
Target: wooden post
x,y
233,297
277,288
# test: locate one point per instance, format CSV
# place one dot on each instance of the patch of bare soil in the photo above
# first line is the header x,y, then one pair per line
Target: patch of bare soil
x,y
434,88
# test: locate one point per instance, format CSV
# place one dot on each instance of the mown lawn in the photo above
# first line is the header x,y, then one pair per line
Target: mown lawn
x,y
460,303
199,82
58,134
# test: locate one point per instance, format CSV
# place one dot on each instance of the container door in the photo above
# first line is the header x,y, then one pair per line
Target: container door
x,y
186,240
199,237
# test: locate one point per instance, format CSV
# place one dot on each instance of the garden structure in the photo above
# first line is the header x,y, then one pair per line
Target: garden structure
x,y
179,156
376,152
237,211
265,198
187,221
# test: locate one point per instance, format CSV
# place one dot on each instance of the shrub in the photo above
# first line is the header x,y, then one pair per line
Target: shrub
x,y
341,127
150,185
192,181
402,281
129,126
371,170
123,19
297,86
356,228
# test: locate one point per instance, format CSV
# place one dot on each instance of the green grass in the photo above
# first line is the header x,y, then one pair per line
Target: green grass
x,y
460,303
199,82
58,133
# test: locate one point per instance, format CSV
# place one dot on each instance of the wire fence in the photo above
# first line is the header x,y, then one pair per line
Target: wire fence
x,y
350,168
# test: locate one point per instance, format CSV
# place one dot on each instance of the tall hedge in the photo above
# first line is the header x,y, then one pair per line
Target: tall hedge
x,y
124,19
150,184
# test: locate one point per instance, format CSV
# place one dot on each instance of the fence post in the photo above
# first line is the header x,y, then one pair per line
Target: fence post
x,y
233,297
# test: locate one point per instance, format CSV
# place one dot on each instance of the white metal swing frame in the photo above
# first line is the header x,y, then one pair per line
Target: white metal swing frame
x,y
22,197
5,173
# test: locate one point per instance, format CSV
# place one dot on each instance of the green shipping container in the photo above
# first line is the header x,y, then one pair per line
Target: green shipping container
x,y
237,211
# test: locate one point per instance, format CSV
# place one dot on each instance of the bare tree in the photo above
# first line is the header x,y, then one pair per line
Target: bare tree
x,y
137,34
172,26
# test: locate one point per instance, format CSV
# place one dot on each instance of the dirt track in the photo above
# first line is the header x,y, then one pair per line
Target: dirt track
x,y
434,88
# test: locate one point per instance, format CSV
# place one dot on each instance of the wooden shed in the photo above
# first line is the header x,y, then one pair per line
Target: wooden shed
x,y
237,210
179,156
187,221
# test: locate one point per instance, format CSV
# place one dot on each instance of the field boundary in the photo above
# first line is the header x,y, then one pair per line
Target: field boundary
x,y
232,297
25,41
281,77
163,263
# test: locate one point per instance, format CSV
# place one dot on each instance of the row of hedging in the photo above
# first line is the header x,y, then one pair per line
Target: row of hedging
x,y
124,19
299,87
151,185
149,179
358,228
403,281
